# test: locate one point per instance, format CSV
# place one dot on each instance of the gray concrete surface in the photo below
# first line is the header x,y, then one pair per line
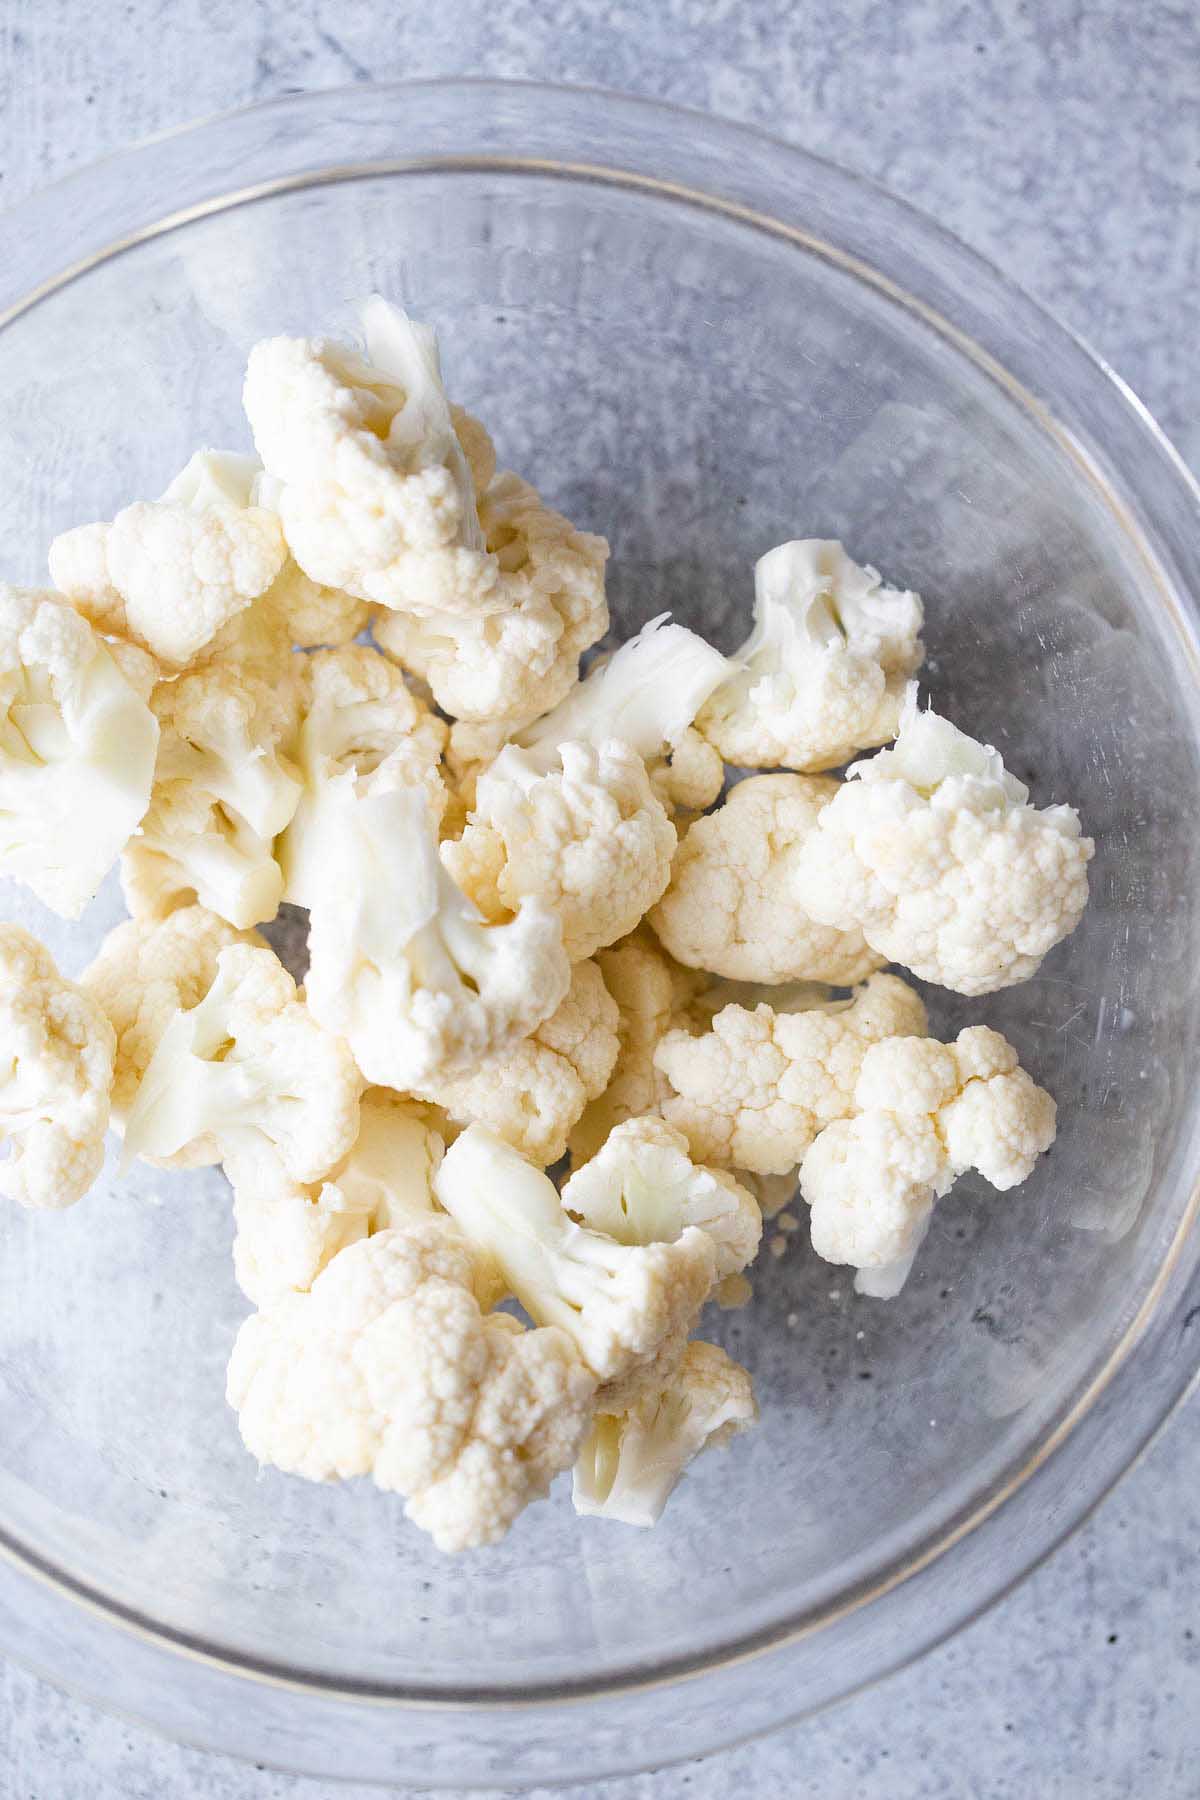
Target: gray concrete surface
x,y
1061,138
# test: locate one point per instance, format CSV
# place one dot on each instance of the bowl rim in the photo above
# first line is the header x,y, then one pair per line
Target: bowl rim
x,y
1176,1287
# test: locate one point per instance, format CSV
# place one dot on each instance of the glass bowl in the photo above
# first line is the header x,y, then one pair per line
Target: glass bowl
x,y
700,342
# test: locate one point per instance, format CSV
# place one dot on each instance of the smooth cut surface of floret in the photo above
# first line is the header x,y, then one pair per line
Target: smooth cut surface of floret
x,y
588,838
753,1092
58,1065
388,1367
731,906
631,1462
933,850
77,749
248,1065
823,672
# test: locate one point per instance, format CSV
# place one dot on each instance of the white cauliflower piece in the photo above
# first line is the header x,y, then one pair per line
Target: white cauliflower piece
x,y
823,672
389,1368
731,906
629,1308
224,788
373,486
588,839
514,663
631,1461
403,966
533,1093
753,1092
362,731
168,574
248,1065
691,777
77,749
58,1066
927,1112
933,850
288,1231
146,971
642,1187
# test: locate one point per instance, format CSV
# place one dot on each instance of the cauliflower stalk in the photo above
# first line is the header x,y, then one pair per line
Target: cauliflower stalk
x,y
731,906
933,850
248,1065
631,1461
389,1367
753,1091
58,1068
589,839
77,748
823,672
925,1114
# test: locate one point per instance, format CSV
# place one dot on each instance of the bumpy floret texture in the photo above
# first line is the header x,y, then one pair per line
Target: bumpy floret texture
x,y
731,906
933,850
753,1092
589,839
58,1065
823,673
77,748
389,1368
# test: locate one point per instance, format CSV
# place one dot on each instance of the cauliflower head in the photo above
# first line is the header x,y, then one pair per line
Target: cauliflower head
x,y
146,971
403,966
933,850
926,1113
516,661
823,672
631,1462
77,748
248,1065
532,1093
628,1307
754,1090
361,731
168,574
224,788
388,1367
58,1059
589,839
731,907
287,1231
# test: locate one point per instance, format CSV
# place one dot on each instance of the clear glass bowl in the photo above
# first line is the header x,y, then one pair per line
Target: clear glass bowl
x,y
700,342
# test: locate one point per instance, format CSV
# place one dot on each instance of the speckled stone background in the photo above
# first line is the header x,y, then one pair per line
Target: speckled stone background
x,y
1061,138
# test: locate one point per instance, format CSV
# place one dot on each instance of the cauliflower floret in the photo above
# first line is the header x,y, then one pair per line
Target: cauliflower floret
x,y
629,1308
933,850
824,668
513,663
389,1368
753,1092
642,1187
927,1112
532,1093
403,966
731,905
248,1065
168,574
145,972
589,839
690,779
77,749
362,731
631,1462
651,993
58,1058
375,491
224,788
287,1230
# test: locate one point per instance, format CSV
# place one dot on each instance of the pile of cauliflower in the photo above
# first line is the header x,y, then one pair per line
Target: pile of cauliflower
x,y
569,1027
